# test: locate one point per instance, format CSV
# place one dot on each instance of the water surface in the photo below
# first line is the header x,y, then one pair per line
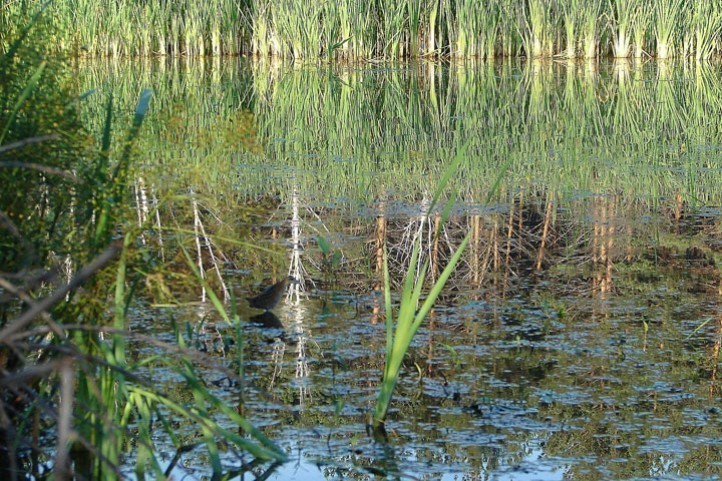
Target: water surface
x,y
579,337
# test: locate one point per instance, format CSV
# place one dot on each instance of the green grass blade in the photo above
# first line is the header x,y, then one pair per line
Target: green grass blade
x,y
439,285
29,87
389,311
450,171
21,36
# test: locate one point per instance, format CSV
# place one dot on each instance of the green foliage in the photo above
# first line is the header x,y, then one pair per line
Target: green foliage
x,y
410,316
412,311
363,133
66,202
41,139
349,30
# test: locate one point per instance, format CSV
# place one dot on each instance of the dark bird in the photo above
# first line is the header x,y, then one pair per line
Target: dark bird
x,y
268,299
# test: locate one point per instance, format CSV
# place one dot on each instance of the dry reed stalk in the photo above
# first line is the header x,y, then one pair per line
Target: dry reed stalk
x,y
435,250
520,210
200,233
475,250
678,211
545,233
509,236
431,329
629,257
603,253
713,389
380,239
379,242
611,230
596,233
495,243
486,260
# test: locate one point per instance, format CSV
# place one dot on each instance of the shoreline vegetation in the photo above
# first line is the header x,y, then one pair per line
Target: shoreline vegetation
x,y
75,391
352,31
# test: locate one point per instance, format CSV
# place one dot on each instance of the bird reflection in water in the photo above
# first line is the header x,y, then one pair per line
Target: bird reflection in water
x,y
267,320
267,300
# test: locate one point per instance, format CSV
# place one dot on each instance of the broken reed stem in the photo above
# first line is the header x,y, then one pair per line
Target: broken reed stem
x,y
200,232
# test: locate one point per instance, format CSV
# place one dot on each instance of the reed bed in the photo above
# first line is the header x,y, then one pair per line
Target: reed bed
x,y
354,31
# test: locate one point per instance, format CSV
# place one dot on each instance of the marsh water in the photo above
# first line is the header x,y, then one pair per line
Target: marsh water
x,y
578,338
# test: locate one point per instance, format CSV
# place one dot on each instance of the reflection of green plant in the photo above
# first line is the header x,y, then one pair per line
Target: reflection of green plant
x,y
40,142
331,257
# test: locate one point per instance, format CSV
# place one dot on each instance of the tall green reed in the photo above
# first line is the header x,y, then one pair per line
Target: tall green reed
x,y
410,316
474,33
640,28
580,19
668,14
706,23
352,31
624,12
539,23
590,20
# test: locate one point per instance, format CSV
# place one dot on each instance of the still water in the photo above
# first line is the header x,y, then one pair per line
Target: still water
x,y
579,337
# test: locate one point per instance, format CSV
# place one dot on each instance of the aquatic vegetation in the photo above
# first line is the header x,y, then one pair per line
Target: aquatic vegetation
x,y
401,329
410,316
563,127
668,14
706,27
354,31
625,12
